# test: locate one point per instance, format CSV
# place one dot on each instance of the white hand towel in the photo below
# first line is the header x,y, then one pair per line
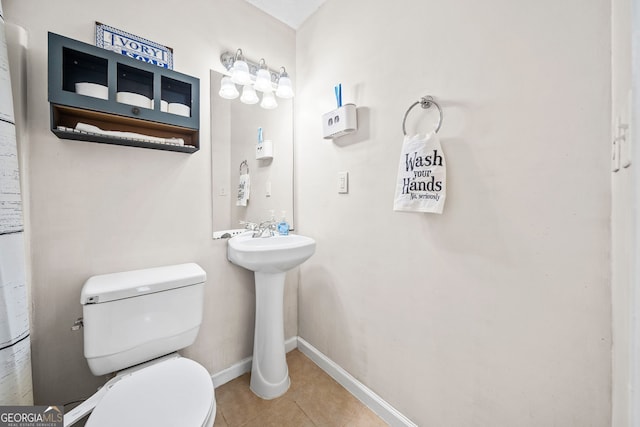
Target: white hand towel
x,y
244,188
422,175
84,127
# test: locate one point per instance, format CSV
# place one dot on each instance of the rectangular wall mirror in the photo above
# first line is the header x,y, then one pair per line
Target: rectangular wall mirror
x,y
234,135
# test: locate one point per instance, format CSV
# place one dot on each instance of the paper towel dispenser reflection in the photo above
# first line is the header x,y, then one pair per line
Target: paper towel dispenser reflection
x,y
340,121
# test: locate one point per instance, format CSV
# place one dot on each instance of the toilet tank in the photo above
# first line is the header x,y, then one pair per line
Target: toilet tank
x,y
135,316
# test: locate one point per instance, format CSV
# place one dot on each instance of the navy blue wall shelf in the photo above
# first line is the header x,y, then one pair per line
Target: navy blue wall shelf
x,y
72,61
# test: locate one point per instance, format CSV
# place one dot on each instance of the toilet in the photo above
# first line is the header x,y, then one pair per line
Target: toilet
x,y
134,324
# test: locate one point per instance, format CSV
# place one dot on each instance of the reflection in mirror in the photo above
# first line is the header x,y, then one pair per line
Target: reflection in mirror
x,y
234,135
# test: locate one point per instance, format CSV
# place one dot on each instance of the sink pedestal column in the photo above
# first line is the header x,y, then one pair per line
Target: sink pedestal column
x,y
269,371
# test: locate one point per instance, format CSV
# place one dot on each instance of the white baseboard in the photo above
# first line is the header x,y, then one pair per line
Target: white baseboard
x,y
291,344
232,372
374,402
244,366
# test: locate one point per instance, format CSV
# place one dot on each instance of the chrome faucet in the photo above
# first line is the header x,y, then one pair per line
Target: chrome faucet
x,y
264,229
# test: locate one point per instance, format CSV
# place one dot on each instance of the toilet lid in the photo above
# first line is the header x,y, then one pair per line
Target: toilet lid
x,y
175,392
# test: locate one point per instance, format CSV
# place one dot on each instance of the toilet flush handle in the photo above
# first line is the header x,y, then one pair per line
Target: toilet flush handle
x,y
77,324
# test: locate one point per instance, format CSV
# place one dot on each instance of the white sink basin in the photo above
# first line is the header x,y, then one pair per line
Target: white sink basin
x,y
275,254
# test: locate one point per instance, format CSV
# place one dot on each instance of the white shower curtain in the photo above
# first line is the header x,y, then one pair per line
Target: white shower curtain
x,y
15,346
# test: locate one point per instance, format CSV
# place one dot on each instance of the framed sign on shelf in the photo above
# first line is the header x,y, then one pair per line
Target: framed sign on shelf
x,y
125,43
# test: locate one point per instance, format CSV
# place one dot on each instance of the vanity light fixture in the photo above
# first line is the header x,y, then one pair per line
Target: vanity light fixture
x,y
253,77
263,79
249,95
240,71
268,101
228,90
285,89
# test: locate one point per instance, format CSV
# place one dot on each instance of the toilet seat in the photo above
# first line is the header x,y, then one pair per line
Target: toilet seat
x,y
171,392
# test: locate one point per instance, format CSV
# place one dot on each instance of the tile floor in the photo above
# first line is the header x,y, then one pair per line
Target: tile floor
x,y
313,399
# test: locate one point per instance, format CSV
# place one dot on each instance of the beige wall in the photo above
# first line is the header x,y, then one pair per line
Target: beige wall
x,y
97,208
495,313
498,312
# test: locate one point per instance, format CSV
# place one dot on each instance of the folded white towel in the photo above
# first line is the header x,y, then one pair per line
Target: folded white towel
x,y
84,127
244,188
422,175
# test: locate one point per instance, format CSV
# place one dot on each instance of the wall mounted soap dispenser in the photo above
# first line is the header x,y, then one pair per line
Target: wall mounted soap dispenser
x,y
264,147
264,151
341,121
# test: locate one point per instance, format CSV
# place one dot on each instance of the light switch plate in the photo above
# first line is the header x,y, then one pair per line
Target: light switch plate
x,y
343,182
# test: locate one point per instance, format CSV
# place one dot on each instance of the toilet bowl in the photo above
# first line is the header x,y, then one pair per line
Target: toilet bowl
x,y
134,324
172,391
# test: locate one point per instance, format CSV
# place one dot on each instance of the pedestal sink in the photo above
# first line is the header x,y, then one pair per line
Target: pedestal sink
x,y
269,258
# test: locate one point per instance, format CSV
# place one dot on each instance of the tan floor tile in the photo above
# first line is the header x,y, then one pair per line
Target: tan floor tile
x,y
366,418
238,403
314,399
219,421
283,413
302,370
326,402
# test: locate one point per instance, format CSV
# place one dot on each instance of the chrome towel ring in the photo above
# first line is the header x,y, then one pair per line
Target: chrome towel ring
x,y
425,102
